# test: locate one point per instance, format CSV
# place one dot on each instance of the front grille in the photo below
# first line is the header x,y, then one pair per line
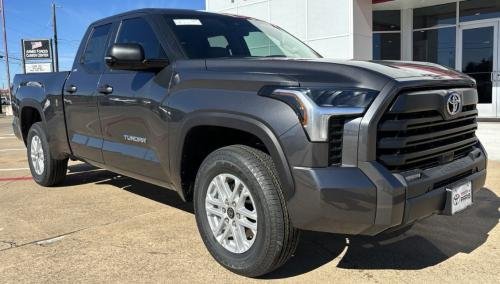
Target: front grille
x,y
452,179
420,140
335,139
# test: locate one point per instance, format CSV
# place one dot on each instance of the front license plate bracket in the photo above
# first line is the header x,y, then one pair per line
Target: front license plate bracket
x,y
458,197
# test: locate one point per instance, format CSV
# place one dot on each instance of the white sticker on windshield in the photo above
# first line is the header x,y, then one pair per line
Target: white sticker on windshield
x,y
187,22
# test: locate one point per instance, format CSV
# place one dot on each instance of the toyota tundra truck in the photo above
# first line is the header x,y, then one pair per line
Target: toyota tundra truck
x,y
261,133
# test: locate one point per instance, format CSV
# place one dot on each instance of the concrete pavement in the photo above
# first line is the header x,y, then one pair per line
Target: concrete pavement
x,y
102,227
489,134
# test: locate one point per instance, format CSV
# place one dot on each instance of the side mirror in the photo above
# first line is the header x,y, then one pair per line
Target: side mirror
x,y
130,56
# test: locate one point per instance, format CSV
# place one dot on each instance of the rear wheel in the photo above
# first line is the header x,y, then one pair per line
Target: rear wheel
x,y
45,170
241,213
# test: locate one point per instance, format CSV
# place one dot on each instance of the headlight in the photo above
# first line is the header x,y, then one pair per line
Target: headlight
x,y
314,106
341,97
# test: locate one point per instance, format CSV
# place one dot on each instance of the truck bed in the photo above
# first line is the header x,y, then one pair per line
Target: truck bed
x,y
42,92
53,82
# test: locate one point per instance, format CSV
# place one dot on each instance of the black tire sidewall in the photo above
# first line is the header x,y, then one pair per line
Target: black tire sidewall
x,y
232,164
37,130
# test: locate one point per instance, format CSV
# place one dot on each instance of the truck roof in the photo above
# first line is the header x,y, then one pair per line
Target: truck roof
x,y
176,12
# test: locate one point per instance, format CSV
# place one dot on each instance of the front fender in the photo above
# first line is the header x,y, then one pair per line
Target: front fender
x,y
239,122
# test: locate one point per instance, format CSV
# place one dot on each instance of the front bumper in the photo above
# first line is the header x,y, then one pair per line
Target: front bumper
x,y
369,199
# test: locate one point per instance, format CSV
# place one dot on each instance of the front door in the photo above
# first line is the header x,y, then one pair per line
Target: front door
x,y
134,127
478,57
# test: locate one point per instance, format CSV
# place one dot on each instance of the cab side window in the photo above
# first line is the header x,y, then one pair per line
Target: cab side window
x,y
137,30
93,57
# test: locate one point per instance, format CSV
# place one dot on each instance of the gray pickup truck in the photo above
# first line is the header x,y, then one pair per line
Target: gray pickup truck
x,y
262,133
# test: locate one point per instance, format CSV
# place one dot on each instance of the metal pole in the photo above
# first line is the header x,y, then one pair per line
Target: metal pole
x,y
54,25
22,56
52,55
6,51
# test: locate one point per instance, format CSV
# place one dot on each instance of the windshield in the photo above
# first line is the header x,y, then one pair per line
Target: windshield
x,y
213,36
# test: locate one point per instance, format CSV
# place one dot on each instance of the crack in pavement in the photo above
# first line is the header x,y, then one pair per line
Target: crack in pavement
x,y
40,242
138,250
10,243
44,241
158,252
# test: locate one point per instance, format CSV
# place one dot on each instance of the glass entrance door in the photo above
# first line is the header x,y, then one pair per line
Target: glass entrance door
x,y
477,56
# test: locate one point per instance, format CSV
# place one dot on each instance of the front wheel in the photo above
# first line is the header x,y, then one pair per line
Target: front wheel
x,y
241,212
45,170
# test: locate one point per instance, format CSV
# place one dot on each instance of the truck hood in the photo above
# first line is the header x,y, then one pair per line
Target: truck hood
x,y
366,74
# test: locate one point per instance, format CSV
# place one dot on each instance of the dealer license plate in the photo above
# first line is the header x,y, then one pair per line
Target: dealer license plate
x,y
461,197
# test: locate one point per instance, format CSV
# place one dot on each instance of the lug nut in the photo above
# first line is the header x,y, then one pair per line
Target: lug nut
x,y
226,220
223,210
234,204
238,215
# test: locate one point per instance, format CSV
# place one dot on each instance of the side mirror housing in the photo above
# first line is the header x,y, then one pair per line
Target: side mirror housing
x,y
130,56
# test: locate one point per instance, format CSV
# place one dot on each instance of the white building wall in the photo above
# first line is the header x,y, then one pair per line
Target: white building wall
x,y
339,29
362,27
329,27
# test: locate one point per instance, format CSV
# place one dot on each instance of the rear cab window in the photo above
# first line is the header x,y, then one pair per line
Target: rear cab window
x,y
92,58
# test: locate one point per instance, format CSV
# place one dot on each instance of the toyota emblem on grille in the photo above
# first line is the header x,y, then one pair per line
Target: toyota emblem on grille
x,y
454,103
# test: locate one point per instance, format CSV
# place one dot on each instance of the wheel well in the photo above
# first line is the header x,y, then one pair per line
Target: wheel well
x,y
203,140
29,116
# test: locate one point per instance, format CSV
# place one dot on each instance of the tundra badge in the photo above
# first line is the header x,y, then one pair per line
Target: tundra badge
x,y
134,138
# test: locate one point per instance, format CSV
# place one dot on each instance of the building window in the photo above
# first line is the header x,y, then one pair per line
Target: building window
x,y
389,20
436,45
387,35
434,34
479,9
386,46
435,16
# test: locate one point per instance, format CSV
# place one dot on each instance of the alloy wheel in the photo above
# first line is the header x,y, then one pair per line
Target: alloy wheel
x,y
37,156
231,213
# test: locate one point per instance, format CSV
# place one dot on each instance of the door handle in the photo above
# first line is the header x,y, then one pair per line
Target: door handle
x,y
71,89
105,89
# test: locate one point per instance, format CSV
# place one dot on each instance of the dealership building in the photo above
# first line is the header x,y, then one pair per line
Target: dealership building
x,y
463,35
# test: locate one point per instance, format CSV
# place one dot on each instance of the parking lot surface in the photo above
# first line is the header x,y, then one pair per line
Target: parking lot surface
x,y
102,227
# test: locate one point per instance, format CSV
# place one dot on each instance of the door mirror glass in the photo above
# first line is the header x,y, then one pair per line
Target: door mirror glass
x,y
130,56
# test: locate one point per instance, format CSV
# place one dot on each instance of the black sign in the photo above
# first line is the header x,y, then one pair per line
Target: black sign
x,y
36,49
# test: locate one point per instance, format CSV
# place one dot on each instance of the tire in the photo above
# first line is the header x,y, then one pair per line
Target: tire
x,y
275,239
46,170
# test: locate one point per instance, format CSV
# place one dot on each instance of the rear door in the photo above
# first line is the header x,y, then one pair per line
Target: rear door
x,y
133,123
80,100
